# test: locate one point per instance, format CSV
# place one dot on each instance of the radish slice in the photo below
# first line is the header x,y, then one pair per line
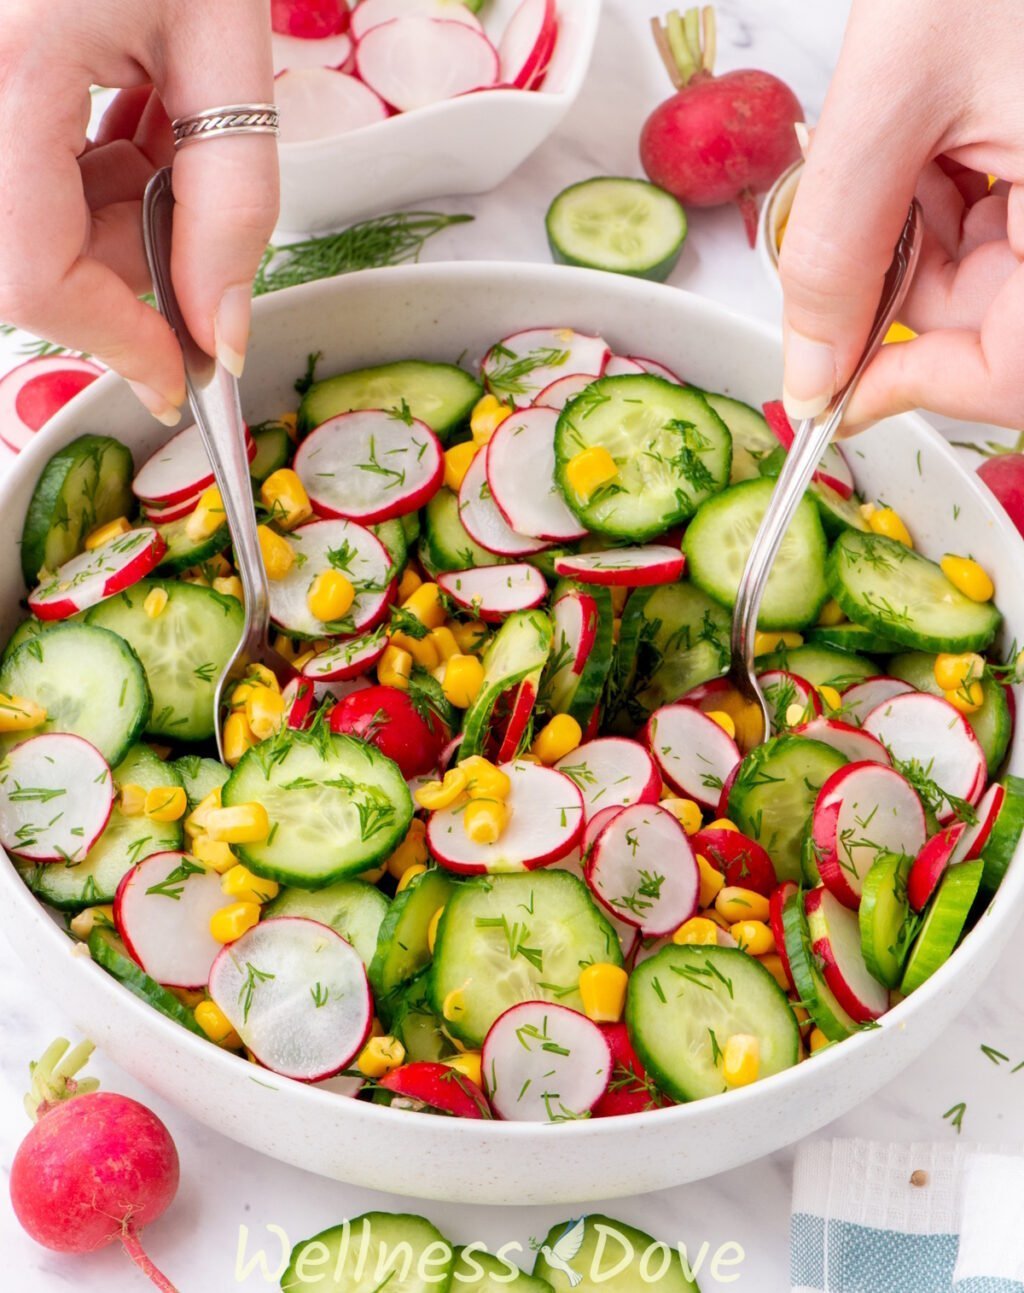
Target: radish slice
x,y
525,47
655,563
508,735
296,994
621,366
972,843
595,825
425,1083
492,592
299,698
339,690
860,699
545,1063
370,466
694,754
783,691
56,793
521,476
338,545
322,102
833,469
162,910
545,821
628,935
933,740
173,512
519,367
91,577
643,870
835,939
930,865
34,391
862,811
347,659
612,771
657,370
560,392
374,13
740,859
412,62
576,617
852,742
776,903
483,521
179,470
293,54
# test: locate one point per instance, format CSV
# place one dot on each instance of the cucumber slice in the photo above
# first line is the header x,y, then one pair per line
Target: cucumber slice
x,y
594,1249
992,724
752,437
886,921
183,650
107,950
446,544
519,650
25,632
410,523
1002,843
392,535
774,793
125,841
352,908
562,689
671,449
274,447
336,806
686,1002
90,682
416,1026
511,938
483,1272
440,395
851,637
815,995
403,945
623,226
718,542
837,513
820,666
84,485
378,1251
199,776
944,922
183,552
904,596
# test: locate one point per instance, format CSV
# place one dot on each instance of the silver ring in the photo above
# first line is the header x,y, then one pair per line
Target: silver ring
x,y
219,123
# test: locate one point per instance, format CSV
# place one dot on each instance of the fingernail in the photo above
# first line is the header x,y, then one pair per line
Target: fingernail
x,y
810,379
160,407
231,327
803,136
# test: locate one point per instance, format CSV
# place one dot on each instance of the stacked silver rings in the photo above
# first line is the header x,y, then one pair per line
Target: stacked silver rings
x,y
221,123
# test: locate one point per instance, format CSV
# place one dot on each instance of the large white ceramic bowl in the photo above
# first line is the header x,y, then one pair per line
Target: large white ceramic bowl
x,y
466,145
443,312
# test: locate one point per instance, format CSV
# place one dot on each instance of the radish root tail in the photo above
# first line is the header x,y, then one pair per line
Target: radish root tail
x,y
132,1245
747,204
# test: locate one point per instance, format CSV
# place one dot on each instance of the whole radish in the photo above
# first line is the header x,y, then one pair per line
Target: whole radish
x,y
1003,473
96,1167
309,19
719,139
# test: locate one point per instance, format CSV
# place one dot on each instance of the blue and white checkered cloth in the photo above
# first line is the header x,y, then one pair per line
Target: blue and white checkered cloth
x,y
916,1218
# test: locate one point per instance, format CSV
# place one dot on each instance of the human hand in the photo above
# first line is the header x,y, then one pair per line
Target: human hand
x,y
926,98
72,264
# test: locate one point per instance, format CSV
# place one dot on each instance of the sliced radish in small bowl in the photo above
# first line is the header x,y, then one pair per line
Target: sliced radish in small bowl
x,y
526,45
695,755
642,869
333,545
521,476
492,592
322,102
930,865
835,939
853,743
425,1084
612,771
520,366
414,61
743,861
482,517
374,13
347,659
655,563
91,577
545,1063
34,391
860,699
560,392
178,470
56,793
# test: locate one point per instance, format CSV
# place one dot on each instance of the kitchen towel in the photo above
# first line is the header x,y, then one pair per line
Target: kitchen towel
x,y
871,1217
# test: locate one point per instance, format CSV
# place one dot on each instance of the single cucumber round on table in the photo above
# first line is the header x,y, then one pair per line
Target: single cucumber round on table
x,y
625,226
445,544
718,542
886,922
107,950
352,908
943,924
375,1252
815,995
603,1254
888,587
403,940
671,449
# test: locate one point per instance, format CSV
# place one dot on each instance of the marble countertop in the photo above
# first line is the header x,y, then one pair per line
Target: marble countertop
x,y
232,1198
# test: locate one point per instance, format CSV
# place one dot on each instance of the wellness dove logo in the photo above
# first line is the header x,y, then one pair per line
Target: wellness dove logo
x,y
565,1248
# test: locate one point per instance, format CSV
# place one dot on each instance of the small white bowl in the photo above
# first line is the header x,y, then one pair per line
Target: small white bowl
x,y
771,223
466,145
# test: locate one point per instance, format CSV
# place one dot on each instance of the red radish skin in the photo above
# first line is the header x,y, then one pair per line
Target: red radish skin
x,y
439,1087
740,859
776,905
1004,475
630,1089
391,720
34,391
309,19
930,865
722,139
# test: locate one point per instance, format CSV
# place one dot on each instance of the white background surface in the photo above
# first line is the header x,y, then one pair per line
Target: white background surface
x,y
225,1187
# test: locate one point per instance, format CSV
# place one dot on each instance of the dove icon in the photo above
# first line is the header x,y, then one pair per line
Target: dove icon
x,y
565,1248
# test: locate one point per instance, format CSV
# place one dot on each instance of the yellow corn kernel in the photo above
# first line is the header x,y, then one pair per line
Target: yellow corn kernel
x,y
741,1060
380,1056
264,712
463,678
818,1041
469,1064
262,676
239,824
284,646
484,820
899,332
165,804
427,604
486,780
685,811
443,642
968,699
195,822
20,715
207,517
240,691
722,824
408,584
132,800
411,852
155,603
394,669
240,883
106,533
435,920
884,521
229,586
231,922
301,661
422,650
435,795
215,855
753,936
831,697
487,416
736,903
330,596
216,1025
285,496
410,874
457,461
831,614
587,471
971,579
800,1012
953,671
471,635
603,992
711,881
766,643
699,931
723,720
290,422
217,566
454,1005
559,737
372,874
84,922
772,962
278,554
238,737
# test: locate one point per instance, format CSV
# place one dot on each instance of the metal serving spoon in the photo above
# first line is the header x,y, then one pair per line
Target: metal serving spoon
x,y
213,397
809,443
